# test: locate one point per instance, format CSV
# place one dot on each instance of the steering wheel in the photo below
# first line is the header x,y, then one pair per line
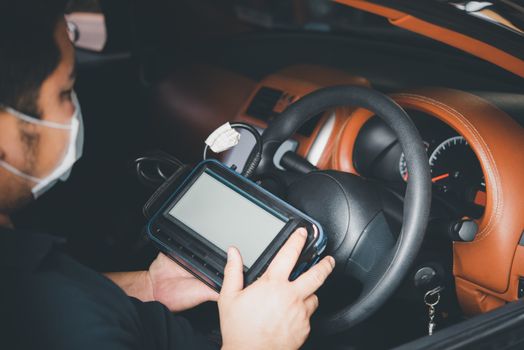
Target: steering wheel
x,y
348,206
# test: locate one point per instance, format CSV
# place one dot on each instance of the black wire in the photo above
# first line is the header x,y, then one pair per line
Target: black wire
x,y
255,157
156,167
152,170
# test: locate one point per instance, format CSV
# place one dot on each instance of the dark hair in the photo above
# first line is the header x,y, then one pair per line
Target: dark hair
x,y
29,52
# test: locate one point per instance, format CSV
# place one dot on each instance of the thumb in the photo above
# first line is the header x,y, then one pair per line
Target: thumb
x,y
233,272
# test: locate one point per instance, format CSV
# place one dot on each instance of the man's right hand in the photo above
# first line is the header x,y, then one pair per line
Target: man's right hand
x,y
271,313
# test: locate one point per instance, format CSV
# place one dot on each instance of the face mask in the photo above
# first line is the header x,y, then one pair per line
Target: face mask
x,y
72,154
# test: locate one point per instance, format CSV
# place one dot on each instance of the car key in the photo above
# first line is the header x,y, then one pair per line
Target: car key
x,y
431,299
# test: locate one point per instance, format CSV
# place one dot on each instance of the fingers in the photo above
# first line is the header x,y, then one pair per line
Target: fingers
x,y
171,268
205,293
212,296
312,279
311,303
287,257
200,291
233,272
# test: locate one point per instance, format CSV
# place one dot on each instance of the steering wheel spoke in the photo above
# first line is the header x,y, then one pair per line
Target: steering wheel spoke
x,y
372,252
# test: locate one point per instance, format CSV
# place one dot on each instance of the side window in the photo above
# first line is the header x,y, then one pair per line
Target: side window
x,y
86,24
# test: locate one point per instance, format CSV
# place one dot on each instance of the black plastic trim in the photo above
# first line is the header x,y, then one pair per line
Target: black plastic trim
x,y
502,328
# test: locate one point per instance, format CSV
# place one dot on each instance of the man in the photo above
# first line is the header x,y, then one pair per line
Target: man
x,y
50,301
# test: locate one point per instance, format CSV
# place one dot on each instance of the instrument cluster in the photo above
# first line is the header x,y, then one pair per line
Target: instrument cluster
x,y
455,169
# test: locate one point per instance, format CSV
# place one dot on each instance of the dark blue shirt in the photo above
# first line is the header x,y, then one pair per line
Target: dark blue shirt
x,y
50,301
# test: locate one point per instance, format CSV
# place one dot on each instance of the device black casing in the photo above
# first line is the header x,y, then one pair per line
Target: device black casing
x,y
201,257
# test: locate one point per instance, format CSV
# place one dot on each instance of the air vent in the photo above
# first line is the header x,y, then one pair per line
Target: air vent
x,y
263,103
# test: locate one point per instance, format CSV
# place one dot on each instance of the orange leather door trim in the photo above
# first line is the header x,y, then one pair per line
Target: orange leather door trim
x,y
447,36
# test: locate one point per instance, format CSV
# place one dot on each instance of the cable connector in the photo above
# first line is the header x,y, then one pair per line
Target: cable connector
x,y
216,139
223,138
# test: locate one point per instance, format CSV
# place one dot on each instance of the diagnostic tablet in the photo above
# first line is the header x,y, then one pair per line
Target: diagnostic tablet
x,y
216,208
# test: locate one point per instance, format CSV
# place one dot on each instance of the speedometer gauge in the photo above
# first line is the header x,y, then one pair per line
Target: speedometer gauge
x,y
455,169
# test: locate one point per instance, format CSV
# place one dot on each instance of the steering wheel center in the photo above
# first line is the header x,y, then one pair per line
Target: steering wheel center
x,y
344,204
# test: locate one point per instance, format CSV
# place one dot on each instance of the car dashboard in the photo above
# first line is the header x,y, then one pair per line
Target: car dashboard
x,y
470,144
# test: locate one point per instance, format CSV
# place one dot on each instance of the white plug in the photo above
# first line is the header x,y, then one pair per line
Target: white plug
x,y
223,138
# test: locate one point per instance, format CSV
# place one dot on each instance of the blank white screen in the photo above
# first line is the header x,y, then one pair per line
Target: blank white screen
x,y
226,218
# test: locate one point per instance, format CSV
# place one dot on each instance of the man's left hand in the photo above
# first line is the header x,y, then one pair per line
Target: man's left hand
x,y
175,287
165,282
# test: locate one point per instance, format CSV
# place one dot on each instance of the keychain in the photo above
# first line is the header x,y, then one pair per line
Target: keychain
x,y
431,299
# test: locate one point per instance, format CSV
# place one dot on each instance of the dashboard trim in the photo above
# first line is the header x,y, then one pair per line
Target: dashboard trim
x,y
450,37
322,139
482,268
298,81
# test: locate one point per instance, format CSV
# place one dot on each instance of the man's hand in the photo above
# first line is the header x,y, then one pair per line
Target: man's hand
x,y
175,287
271,313
165,282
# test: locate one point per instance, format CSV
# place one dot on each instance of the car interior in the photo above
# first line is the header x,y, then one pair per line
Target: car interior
x,y
171,72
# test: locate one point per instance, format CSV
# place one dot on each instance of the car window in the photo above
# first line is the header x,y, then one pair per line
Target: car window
x,y
86,24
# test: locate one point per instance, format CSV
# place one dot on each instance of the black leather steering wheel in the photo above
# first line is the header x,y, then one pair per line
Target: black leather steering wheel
x,y
348,207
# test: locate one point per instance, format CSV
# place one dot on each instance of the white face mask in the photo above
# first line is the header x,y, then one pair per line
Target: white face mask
x,y
72,154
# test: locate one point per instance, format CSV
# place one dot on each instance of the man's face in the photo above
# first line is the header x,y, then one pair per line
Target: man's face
x,y
35,149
